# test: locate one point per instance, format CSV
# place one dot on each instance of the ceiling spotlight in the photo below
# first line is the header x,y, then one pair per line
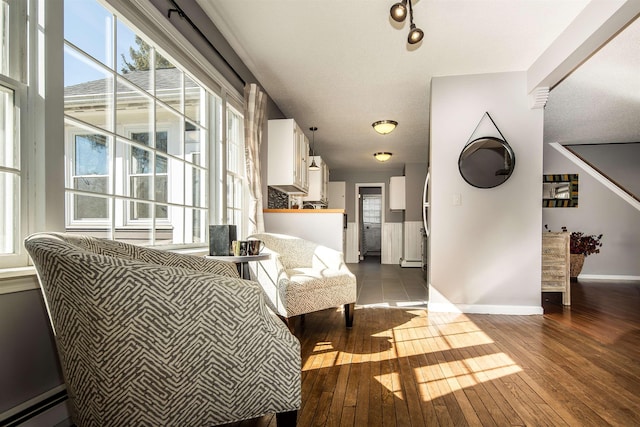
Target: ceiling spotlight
x,y
415,35
383,127
399,11
382,156
313,166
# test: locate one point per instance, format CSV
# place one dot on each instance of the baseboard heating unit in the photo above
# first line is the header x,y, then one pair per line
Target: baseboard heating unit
x,y
34,407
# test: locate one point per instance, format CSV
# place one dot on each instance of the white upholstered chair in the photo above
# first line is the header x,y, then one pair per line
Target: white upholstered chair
x,y
302,277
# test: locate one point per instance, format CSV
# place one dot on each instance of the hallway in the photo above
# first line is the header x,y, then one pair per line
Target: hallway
x,y
389,285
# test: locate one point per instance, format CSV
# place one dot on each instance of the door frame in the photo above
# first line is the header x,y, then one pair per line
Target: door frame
x,y
358,212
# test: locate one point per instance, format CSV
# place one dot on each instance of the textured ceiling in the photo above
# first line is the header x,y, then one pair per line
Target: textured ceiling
x,y
600,101
341,65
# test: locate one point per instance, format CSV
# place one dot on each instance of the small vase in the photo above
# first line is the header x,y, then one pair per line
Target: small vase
x,y
575,266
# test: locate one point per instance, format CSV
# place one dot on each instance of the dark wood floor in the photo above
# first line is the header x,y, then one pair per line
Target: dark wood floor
x,y
607,311
574,366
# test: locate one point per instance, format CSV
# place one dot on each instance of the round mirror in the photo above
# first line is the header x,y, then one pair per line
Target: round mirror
x,y
486,162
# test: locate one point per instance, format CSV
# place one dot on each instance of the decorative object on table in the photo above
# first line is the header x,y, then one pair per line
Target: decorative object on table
x,y
239,248
254,247
560,191
581,246
220,238
486,161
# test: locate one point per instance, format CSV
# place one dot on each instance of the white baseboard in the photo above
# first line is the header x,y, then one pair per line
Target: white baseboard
x,y
408,263
517,310
607,277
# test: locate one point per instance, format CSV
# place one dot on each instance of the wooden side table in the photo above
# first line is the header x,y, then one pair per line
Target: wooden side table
x,y
555,264
242,261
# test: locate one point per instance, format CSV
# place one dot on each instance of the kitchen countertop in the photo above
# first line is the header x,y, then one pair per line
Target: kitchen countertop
x,y
303,211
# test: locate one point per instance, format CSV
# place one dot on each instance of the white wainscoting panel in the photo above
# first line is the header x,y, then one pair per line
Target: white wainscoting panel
x,y
351,255
391,242
412,241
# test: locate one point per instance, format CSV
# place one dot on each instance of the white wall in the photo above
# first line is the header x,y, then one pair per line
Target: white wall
x,y
485,254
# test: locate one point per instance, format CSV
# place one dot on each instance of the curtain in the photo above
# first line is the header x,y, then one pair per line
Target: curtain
x,y
255,106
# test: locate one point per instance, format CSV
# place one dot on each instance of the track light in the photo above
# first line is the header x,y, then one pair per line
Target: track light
x,y
399,13
415,35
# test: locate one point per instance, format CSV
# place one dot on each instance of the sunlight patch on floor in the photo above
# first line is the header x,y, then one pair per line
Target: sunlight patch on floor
x,y
447,377
391,382
448,353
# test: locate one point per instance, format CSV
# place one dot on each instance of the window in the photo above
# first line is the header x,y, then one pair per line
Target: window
x,y
10,172
138,130
144,138
140,176
90,174
236,181
13,53
371,208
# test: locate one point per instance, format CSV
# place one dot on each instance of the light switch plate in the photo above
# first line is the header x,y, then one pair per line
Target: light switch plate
x,y
456,199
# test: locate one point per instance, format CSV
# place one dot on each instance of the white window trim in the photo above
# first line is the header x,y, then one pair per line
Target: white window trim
x,y
143,15
18,257
126,172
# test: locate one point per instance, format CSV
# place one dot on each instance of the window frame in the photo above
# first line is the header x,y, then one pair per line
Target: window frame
x,y
236,179
18,256
127,187
70,143
20,55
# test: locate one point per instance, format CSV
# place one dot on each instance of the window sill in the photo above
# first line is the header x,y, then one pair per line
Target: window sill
x,y
10,273
192,251
18,279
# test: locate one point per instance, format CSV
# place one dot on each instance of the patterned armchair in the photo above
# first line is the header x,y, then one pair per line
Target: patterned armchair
x,y
150,337
302,277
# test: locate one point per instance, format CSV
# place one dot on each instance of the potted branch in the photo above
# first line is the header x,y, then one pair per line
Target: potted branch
x,y
580,246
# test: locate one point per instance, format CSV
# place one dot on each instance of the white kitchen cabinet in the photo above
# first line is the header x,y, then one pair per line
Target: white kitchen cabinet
x,y
336,194
288,151
318,181
397,199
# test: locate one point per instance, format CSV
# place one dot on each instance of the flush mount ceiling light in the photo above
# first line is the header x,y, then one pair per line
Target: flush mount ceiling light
x,y
399,13
382,156
313,166
383,127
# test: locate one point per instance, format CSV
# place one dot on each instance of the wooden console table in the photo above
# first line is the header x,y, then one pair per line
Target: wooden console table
x,y
555,264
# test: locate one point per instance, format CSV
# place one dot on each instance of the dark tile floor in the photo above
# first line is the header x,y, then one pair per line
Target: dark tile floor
x,y
389,285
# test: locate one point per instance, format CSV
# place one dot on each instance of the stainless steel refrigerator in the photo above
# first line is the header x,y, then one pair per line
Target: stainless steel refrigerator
x,y
425,228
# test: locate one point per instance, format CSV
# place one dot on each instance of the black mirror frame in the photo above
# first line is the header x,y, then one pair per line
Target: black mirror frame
x,y
509,152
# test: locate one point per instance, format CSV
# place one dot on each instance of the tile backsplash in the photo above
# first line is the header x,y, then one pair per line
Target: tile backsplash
x,y
277,199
